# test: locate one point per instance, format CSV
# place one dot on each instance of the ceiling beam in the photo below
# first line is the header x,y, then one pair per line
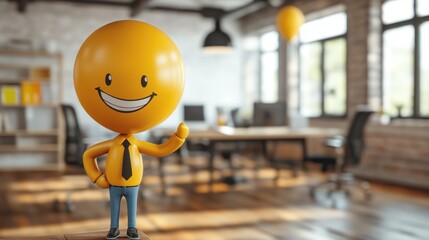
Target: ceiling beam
x,y
175,9
253,6
21,5
137,6
99,2
214,12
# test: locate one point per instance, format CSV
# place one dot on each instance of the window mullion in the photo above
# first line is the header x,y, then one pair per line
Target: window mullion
x,y
416,95
322,75
261,52
299,78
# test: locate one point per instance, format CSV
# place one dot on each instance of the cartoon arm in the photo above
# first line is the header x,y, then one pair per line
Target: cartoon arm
x,y
169,146
90,163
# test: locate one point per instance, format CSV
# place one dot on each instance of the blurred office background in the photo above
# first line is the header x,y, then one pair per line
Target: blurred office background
x,y
348,56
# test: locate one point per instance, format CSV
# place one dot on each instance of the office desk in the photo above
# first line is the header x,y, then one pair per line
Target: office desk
x,y
253,134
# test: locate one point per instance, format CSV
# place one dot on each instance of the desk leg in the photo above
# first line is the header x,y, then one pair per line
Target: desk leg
x,y
265,150
304,154
266,158
211,165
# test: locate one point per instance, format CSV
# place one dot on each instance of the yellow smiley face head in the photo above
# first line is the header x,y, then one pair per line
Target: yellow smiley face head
x,y
128,76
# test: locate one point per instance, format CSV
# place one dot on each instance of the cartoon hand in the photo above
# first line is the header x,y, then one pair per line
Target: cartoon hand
x,y
182,131
102,181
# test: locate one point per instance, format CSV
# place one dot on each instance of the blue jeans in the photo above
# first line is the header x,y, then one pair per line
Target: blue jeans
x,y
116,194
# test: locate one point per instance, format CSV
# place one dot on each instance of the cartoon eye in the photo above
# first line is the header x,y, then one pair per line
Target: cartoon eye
x,y
108,79
144,81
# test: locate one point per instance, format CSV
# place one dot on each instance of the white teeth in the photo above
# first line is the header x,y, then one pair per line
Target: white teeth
x,y
124,105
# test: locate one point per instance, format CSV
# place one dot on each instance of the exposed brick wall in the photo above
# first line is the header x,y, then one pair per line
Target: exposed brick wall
x,y
398,152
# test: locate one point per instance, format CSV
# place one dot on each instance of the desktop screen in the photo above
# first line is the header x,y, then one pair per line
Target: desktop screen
x,y
194,113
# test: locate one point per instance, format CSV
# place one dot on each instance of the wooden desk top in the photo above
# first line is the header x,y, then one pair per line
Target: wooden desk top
x,y
82,236
254,133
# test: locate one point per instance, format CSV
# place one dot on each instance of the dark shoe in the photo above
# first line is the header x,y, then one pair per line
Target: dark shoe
x,y
113,234
132,233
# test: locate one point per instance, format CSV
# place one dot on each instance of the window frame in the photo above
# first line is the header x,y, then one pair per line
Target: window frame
x,y
415,22
323,80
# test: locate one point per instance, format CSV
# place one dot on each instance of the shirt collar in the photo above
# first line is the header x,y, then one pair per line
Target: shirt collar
x,y
121,138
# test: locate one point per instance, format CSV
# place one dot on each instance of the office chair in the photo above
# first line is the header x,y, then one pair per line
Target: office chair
x,y
73,152
348,153
74,146
269,114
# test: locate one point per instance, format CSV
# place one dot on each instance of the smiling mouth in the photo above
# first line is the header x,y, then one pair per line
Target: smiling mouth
x,y
124,105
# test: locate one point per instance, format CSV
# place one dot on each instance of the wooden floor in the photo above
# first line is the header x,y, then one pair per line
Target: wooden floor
x,y
256,209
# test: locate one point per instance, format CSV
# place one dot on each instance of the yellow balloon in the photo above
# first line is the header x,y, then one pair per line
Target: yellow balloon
x,y
128,76
289,19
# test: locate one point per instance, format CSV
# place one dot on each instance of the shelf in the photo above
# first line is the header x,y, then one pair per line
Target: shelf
x,y
20,80
44,167
25,133
25,67
27,53
11,81
36,148
34,139
15,67
43,105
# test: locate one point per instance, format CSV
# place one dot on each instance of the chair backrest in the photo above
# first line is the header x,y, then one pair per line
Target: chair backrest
x,y
74,143
269,114
355,138
234,117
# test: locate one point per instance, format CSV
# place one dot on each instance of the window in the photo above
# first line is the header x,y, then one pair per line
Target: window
x,y
424,70
405,56
397,10
261,67
398,69
268,82
322,66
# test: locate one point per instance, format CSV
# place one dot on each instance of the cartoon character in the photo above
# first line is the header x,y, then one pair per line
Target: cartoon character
x,y
128,76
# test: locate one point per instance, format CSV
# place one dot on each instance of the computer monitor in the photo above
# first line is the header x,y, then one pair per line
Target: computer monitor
x,y
269,114
193,113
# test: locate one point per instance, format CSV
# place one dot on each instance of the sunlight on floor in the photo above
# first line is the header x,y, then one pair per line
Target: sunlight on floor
x,y
186,220
202,219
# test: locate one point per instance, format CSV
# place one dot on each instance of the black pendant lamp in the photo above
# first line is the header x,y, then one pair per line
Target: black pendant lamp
x,y
217,41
